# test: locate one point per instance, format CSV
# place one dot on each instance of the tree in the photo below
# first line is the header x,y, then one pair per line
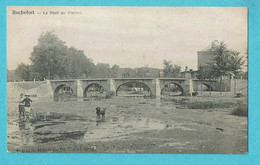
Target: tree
x,y
49,56
23,71
115,71
170,70
78,65
201,74
102,70
167,68
235,62
225,62
176,71
12,76
142,72
205,72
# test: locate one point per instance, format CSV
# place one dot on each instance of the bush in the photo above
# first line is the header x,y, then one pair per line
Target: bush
x,y
208,105
240,110
64,97
200,105
110,94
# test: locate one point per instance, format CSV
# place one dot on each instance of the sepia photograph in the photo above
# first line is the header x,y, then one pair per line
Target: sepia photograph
x,y
127,79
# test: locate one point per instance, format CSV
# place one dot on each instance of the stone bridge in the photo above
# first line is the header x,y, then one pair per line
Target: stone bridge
x,y
212,85
80,86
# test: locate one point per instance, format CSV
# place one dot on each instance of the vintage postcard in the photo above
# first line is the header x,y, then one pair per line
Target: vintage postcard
x,y
127,79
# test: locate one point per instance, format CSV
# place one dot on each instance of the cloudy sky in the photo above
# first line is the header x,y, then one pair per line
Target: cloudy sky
x,y
129,36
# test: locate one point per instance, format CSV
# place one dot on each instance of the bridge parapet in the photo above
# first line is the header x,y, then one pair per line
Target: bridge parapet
x,y
173,79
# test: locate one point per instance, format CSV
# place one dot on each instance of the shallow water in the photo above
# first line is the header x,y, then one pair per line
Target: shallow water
x,y
150,125
47,127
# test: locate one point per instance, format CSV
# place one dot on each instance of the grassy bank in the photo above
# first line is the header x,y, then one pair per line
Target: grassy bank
x,y
209,105
240,110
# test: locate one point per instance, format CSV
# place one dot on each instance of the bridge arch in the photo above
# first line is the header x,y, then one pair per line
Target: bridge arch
x,y
93,87
173,89
209,86
62,91
140,86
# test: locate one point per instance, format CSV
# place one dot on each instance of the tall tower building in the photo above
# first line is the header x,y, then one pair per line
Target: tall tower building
x,y
205,55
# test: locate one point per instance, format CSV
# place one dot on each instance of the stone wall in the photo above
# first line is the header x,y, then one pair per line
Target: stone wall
x,y
239,86
47,88
38,90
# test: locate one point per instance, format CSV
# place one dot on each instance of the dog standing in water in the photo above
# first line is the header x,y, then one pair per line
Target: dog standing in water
x,y
100,112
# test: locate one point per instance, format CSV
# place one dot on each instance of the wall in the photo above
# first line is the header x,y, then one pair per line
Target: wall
x,y
239,86
41,89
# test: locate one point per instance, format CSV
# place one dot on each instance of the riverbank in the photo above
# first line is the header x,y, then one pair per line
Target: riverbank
x,y
131,125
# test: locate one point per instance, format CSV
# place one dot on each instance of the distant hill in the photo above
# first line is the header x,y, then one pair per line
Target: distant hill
x,y
139,72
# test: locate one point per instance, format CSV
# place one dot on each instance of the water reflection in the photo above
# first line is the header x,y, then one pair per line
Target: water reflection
x,y
25,134
38,129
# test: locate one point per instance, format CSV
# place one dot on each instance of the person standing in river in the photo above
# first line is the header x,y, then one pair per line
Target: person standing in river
x,y
21,105
27,106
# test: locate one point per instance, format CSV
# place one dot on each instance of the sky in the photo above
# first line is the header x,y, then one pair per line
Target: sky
x,y
128,36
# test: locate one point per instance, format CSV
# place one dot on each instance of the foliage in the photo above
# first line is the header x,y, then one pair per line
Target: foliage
x,y
12,76
23,71
240,110
209,104
171,70
78,65
206,72
51,58
202,72
115,71
110,94
235,62
102,70
64,97
226,61
242,74
143,72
